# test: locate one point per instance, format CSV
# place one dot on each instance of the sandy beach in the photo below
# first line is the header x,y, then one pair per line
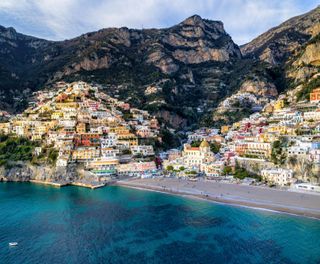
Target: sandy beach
x,y
304,204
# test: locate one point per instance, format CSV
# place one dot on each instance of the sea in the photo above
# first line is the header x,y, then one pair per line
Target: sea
x,y
122,225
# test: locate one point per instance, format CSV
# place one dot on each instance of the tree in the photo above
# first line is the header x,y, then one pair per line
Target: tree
x,y
227,170
307,166
278,155
195,144
126,152
215,147
169,168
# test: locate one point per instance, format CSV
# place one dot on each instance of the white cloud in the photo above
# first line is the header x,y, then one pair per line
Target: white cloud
x,y
60,19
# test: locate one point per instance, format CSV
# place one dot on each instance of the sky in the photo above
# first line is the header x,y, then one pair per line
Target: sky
x,y
64,19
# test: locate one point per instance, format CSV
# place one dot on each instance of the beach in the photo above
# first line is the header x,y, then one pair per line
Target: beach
x,y
298,203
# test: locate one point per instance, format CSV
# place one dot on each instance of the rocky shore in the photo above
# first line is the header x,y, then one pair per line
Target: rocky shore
x,y
49,175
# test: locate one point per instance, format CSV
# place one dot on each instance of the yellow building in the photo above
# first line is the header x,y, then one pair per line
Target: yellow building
x,y
85,154
36,137
133,141
120,130
45,108
67,105
224,129
5,128
259,149
279,104
236,125
126,135
268,137
282,130
196,156
103,166
57,115
41,129
81,128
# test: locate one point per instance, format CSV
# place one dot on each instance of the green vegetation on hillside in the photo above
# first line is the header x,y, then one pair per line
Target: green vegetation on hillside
x,y
278,155
169,140
14,149
241,173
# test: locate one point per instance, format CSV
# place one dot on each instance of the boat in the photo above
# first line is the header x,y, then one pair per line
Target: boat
x,y
13,244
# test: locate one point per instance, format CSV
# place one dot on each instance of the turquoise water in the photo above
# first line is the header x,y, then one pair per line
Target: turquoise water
x,y
121,225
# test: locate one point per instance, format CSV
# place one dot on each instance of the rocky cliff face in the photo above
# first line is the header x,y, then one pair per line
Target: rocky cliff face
x,y
311,55
278,44
259,88
24,172
292,49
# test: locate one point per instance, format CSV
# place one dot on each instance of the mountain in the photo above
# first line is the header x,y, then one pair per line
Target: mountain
x,y
180,74
294,48
183,66
289,54
277,44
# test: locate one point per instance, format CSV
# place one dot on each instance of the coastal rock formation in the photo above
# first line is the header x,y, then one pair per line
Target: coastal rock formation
x,y
24,172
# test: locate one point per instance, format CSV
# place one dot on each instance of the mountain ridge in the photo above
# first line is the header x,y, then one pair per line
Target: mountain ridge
x,y
180,73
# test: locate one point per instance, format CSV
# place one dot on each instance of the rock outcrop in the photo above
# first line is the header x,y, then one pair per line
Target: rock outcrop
x,y
24,172
259,88
311,55
278,44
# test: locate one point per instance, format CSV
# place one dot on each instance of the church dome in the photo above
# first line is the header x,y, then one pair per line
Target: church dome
x,y
204,144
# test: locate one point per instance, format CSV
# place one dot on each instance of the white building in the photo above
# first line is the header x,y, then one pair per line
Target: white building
x,y
109,152
314,156
196,156
277,176
297,150
312,115
109,141
213,169
307,187
144,150
62,161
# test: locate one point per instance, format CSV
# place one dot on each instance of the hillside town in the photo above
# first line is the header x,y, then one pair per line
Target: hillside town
x,y
83,126
87,127
280,146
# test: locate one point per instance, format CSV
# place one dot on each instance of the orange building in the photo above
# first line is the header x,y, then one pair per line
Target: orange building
x,y
241,148
315,95
81,128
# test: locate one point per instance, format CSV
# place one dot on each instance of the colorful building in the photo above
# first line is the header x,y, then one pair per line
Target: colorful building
x,y
315,95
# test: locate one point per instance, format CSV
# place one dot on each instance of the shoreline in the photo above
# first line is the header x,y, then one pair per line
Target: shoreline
x,y
60,184
54,184
313,213
210,194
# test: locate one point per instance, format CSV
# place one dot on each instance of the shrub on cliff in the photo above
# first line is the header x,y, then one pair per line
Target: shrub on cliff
x,y
13,149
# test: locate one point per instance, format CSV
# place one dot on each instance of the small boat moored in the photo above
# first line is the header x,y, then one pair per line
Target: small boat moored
x,y
13,244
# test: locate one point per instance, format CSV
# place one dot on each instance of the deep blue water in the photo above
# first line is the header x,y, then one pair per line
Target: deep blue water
x,y
121,225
